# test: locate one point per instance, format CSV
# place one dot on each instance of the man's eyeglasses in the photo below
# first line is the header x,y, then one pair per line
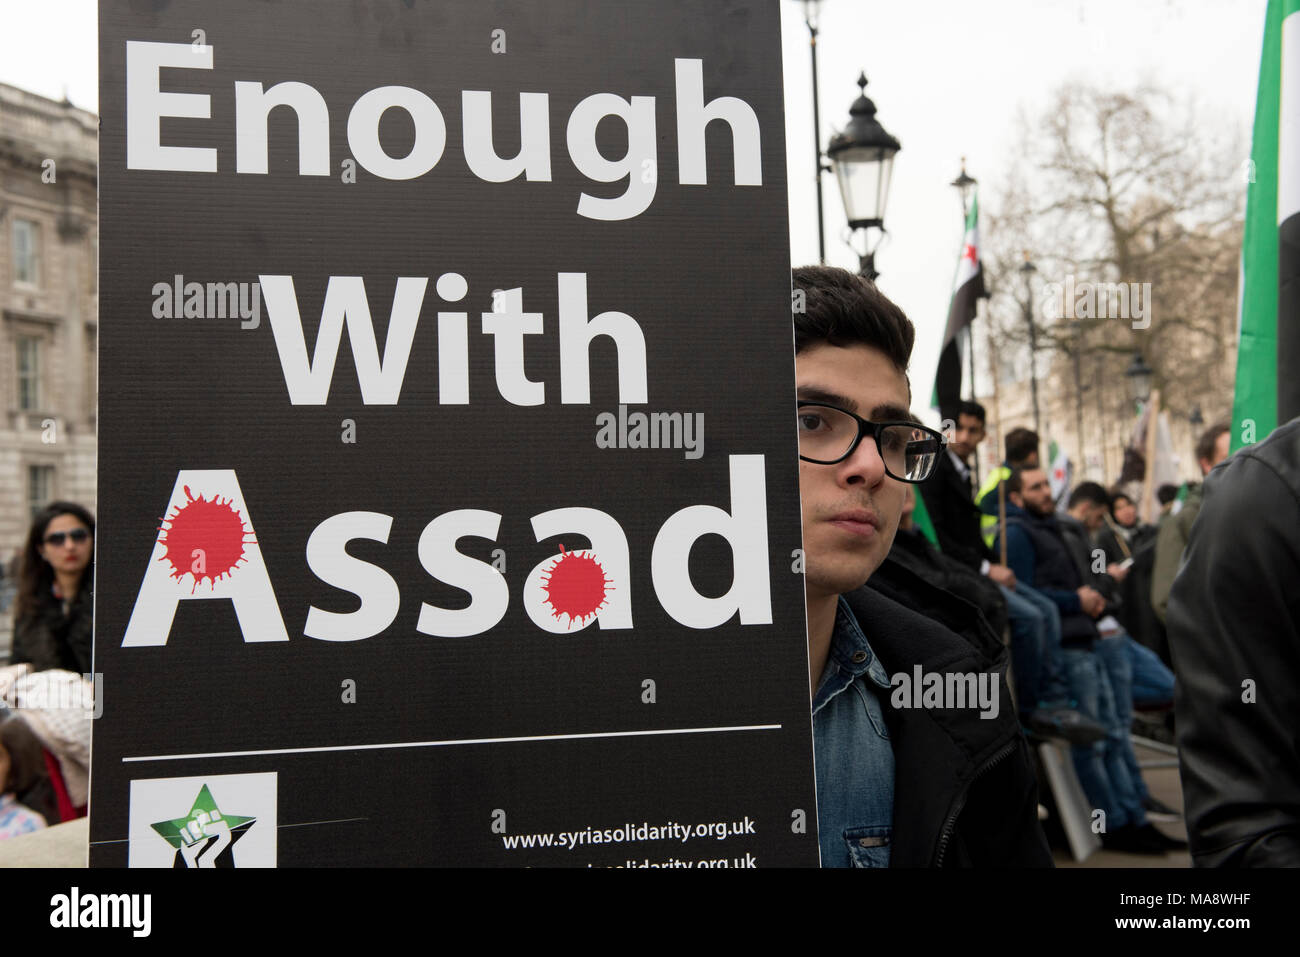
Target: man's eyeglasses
x,y
78,535
828,435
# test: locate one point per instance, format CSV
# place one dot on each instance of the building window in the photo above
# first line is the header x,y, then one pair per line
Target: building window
x,y
29,374
27,252
40,487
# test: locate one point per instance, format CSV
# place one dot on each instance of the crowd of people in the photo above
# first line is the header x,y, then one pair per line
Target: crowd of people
x,y
1094,612
1091,613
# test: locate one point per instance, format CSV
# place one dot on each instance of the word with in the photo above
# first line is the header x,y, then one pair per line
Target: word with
x,y
346,303
652,430
215,300
147,104
945,690
103,910
1098,300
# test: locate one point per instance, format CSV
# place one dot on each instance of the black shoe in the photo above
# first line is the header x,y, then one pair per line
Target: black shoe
x,y
1159,811
1157,837
1073,726
1132,840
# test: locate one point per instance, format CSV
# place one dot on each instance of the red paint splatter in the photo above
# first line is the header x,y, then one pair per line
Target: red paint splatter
x,y
576,586
212,525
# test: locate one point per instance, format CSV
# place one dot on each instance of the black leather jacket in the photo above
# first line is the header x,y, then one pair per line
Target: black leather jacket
x,y
965,793
1234,629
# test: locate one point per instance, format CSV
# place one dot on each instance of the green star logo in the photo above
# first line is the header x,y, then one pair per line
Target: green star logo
x,y
204,821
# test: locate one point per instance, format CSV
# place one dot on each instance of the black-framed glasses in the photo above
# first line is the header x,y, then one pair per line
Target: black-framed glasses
x,y
78,535
828,435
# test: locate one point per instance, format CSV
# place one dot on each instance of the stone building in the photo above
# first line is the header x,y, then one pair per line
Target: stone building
x,y
48,312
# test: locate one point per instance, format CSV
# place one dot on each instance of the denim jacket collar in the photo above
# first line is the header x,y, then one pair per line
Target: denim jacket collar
x,y
852,655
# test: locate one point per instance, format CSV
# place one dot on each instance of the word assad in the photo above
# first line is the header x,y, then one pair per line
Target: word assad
x,y
208,549
147,104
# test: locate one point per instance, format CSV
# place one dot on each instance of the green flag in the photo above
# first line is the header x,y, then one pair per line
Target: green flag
x,y
922,518
1269,298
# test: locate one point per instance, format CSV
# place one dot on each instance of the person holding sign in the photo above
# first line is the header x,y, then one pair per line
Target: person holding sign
x,y
903,779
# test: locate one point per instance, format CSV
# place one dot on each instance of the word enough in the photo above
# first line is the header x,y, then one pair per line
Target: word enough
x,y
147,104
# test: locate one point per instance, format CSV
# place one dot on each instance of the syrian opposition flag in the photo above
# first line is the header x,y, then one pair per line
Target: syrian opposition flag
x,y
1059,473
967,289
1268,390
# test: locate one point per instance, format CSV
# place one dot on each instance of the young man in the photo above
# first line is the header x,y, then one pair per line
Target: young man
x,y
896,786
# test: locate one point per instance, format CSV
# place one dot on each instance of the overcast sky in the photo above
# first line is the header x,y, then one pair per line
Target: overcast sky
x,y
947,77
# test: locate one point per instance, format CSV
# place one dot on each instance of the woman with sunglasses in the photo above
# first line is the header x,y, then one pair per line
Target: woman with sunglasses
x,y
53,611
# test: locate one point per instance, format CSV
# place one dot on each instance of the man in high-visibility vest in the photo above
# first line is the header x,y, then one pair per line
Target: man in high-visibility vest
x,y
1021,453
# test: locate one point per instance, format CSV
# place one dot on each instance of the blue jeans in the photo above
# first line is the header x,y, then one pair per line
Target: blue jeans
x,y
1036,648
1104,769
1117,659
1153,682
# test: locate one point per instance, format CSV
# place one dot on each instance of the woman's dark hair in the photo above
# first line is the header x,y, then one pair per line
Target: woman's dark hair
x,y
35,575
841,309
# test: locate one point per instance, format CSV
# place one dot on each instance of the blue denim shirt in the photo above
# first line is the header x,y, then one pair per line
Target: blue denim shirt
x,y
855,760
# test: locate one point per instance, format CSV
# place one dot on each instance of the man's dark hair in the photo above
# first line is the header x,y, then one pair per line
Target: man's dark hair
x,y
973,409
1015,482
1209,439
1020,444
1165,494
842,309
1088,492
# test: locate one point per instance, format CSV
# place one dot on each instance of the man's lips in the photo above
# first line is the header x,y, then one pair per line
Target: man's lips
x,y
857,521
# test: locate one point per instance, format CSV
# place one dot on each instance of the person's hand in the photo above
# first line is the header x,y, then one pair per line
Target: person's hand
x,y
1117,571
1002,575
1091,600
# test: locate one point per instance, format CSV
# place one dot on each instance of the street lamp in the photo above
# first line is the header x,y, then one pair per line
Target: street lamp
x,y
1027,271
964,184
863,158
811,17
1139,379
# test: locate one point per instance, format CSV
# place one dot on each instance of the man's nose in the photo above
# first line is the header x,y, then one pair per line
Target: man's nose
x,y
864,466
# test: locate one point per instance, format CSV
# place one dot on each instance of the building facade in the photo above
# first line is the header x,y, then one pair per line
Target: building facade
x,y
48,313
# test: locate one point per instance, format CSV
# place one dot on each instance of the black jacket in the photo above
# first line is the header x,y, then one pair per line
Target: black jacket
x,y
1038,554
1234,629
965,794
914,552
50,639
956,520
1081,549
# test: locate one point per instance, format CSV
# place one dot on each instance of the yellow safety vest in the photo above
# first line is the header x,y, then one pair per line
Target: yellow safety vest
x,y
989,523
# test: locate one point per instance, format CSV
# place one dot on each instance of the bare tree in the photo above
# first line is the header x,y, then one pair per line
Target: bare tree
x,y
1120,187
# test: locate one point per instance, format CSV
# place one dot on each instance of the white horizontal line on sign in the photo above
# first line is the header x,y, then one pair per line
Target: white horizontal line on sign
x,y
450,743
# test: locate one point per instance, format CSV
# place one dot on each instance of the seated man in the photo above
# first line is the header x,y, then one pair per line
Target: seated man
x,y
896,786
965,531
1129,665
1037,552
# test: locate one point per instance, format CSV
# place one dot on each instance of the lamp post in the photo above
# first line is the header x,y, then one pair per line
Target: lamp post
x,y
964,184
862,157
1139,376
811,15
1027,271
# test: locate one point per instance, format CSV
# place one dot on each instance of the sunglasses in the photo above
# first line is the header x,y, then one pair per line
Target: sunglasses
x,y
78,535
